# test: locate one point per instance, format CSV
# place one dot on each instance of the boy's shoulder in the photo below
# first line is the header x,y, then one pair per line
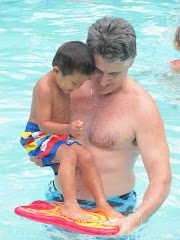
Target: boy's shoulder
x,y
46,79
44,83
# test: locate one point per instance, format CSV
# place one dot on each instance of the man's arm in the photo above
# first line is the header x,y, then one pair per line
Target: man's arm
x,y
154,150
152,144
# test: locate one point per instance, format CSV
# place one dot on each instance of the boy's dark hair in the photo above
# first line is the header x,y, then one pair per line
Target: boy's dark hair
x,y
74,56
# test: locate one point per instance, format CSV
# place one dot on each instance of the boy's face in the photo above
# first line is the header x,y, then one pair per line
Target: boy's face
x,y
70,82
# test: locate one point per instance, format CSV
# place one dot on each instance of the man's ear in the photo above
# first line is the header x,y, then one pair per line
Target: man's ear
x,y
131,63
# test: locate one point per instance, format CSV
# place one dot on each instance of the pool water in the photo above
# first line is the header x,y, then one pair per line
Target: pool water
x,y
31,31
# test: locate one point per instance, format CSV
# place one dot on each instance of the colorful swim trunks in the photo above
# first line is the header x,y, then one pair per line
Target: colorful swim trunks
x,y
43,145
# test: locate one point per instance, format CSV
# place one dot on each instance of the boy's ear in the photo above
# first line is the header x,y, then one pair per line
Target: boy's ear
x,y
56,70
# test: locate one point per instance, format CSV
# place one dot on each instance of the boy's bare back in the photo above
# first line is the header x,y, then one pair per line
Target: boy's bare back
x,y
49,102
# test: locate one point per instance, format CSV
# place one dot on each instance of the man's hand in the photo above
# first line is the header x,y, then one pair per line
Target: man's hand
x,y
126,224
76,128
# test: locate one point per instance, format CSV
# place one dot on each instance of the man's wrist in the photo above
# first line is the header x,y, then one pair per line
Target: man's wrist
x,y
140,217
137,218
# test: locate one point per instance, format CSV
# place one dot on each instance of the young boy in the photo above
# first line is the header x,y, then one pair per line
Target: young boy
x,y
175,65
47,132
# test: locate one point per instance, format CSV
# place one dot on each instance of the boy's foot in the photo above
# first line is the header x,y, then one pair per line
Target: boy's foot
x,y
106,208
76,213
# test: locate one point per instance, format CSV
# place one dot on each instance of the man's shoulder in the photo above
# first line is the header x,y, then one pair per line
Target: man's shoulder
x,y
139,93
143,103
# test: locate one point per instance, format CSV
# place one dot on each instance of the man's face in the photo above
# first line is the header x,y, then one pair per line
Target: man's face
x,y
109,77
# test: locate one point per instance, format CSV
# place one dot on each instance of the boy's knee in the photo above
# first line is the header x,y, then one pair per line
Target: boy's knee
x,y
65,151
37,161
87,158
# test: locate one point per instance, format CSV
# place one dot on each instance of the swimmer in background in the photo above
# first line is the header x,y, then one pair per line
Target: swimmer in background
x,y
48,131
175,65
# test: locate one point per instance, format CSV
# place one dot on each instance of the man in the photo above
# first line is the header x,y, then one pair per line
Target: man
x,y
120,121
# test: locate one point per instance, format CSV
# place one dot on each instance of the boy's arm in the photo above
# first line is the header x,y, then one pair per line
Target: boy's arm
x,y
43,112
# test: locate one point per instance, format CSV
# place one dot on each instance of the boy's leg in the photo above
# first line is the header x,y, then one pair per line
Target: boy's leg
x,y
86,163
66,173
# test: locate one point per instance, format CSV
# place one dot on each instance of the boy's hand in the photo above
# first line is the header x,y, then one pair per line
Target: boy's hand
x,y
76,128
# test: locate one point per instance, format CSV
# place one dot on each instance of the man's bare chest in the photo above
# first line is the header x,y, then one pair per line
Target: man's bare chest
x,y
110,128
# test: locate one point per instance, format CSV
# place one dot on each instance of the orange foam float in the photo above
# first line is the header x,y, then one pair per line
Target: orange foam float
x,y
50,213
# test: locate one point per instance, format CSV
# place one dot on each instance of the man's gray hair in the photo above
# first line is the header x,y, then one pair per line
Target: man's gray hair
x,y
113,38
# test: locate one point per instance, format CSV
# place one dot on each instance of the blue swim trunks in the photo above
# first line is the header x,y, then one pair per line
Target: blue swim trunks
x,y
43,145
126,204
